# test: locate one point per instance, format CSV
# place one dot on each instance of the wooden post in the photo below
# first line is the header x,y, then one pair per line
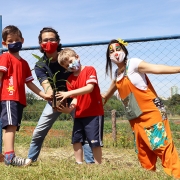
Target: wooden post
x,y
114,131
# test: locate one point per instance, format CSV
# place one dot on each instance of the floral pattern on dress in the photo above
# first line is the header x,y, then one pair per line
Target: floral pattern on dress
x,y
157,135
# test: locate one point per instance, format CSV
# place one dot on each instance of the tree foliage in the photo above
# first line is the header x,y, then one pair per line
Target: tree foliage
x,y
36,106
31,98
113,103
174,100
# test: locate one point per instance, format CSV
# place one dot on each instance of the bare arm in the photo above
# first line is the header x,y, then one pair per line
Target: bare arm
x,y
145,67
47,87
37,91
110,91
84,90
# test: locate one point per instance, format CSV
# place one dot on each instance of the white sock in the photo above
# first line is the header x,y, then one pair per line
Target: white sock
x,y
79,162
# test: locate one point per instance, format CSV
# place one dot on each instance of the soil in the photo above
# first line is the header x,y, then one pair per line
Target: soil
x,y
176,122
28,130
1,158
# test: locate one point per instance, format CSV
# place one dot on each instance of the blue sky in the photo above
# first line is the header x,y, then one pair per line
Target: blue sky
x,y
96,20
92,20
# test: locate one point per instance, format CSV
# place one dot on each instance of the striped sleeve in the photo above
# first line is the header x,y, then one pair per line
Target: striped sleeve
x,y
29,76
92,76
4,59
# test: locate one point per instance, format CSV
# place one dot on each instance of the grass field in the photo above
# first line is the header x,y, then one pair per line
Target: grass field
x,y
56,161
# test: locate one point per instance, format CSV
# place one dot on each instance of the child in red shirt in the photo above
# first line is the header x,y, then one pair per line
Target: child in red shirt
x,y
89,114
14,74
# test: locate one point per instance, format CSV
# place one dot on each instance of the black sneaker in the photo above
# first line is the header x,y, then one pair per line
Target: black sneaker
x,y
18,161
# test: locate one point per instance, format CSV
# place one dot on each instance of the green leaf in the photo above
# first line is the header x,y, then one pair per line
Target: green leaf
x,y
54,77
49,78
61,80
39,66
37,57
49,60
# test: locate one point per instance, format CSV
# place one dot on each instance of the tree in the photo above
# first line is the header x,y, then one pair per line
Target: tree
x,y
31,98
175,100
113,103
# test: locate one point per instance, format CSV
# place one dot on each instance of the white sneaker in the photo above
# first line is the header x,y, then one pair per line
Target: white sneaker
x,y
18,161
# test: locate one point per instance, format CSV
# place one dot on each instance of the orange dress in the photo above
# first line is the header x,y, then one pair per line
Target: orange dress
x,y
150,127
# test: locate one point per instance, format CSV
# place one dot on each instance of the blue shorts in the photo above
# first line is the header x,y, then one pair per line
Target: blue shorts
x,y
11,114
90,128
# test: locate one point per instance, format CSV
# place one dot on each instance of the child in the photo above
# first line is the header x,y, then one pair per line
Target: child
x,y
89,113
144,110
14,73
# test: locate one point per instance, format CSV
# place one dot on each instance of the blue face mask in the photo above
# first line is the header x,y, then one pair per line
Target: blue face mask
x,y
74,66
15,47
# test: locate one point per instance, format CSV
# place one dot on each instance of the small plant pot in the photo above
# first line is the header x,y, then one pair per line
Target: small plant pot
x,y
56,101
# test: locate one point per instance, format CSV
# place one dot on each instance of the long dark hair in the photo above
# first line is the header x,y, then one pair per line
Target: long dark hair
x,y
108,60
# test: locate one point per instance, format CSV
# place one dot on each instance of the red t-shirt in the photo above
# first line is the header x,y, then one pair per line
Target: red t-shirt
x,y
15,74
87,104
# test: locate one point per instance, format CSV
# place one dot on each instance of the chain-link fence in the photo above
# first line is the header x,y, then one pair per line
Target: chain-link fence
x,y
157,50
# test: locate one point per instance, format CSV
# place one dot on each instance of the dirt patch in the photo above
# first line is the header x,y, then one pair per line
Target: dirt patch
x,y
28,130
176,121
1,158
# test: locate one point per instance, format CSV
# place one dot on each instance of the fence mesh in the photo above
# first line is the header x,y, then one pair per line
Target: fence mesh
x,y
163,51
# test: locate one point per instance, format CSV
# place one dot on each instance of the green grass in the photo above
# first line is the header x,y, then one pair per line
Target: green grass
x,y
56,160
59,164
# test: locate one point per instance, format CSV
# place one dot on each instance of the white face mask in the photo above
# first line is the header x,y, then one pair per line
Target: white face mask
x,y
117,57
74,66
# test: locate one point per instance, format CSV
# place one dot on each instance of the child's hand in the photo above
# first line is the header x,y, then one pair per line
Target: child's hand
x,y
104,98
64,109
47,97
63,95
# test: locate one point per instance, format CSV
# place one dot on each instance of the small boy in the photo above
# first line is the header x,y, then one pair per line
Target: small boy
x,y
89,114
14,74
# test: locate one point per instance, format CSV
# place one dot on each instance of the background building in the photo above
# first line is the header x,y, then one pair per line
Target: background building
x,y
174,90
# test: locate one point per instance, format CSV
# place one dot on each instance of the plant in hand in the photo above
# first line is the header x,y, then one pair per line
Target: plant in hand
x,y
52,80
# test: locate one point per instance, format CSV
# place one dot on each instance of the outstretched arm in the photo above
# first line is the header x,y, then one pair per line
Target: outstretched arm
x,y
145,67
110,92
84,90
36,90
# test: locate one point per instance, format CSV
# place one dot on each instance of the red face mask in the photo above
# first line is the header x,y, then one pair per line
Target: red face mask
x,y
49,47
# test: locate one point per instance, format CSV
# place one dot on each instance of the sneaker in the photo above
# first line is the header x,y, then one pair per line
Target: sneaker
x,y
8,158
79,162
18,161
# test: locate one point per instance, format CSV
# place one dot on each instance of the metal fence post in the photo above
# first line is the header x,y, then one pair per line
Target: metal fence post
x,y
1,155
